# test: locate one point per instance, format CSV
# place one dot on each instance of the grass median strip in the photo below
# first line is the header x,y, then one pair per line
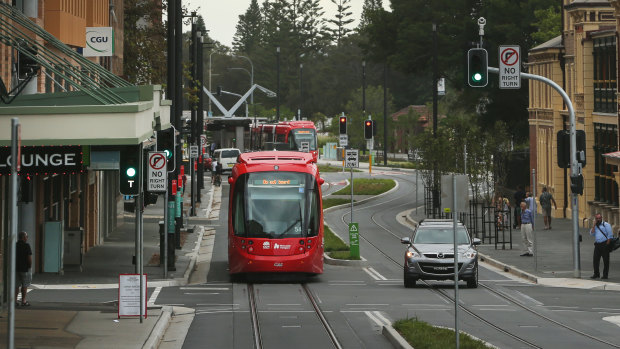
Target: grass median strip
x,y
330,168
330,202
335,247
423,335
366,186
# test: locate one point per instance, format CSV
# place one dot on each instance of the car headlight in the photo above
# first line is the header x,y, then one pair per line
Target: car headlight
x,y
412,254
470,254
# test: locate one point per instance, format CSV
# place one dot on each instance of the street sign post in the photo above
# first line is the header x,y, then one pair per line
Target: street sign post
x,y
203,143
351,159
344,140
157,172
509,67
354,239
193,151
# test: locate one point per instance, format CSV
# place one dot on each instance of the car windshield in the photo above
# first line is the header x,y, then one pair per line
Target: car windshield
x,y
230,153
276,205
443,235
302,135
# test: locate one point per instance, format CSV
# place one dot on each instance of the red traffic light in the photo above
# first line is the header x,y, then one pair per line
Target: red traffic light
x,y
368,123
174,187
343,125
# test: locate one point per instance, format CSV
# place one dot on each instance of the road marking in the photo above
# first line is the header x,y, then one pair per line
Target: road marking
x,y
377,318
200,293
218,304
283,304
154,295
291,326
374,274
205,288
347,284
363,304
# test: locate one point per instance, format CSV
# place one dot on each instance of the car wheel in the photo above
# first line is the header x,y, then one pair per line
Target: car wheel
x,y
409,281
473,282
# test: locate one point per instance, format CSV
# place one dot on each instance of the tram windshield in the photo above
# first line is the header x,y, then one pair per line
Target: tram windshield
x,y
276,205
300,135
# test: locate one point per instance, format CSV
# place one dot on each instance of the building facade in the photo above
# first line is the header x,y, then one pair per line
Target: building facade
x,y
583,60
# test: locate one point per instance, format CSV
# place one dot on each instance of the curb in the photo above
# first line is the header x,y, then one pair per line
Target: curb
x,y
395,338
157,333
356,203
508,268
345,262
194,257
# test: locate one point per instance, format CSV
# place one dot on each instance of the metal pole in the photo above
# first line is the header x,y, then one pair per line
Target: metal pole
x,y
363,87
416,192
573,161
385,114
194,61
534,219
465,158
13,233
278,83
166,232
435,165
140,259
456,264
351,194
301,88
170,90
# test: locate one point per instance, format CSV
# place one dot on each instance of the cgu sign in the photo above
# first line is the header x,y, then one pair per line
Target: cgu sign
x,y
35,160
99,42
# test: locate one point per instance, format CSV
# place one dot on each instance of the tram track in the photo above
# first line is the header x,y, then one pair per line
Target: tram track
x,y
444,294
255,319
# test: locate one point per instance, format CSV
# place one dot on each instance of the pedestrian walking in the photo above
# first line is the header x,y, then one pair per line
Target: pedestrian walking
x,y
519,196
531,205
526,230
602,233
213,169
23,263
545,204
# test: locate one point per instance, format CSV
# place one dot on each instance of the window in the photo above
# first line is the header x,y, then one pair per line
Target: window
x,y
605,141
605,74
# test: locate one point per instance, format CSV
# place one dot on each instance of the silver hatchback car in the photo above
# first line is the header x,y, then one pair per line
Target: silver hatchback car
x,y
430,254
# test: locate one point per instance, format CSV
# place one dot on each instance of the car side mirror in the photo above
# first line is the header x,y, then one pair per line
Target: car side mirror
x,y
321,181
405,241
230,180
477,241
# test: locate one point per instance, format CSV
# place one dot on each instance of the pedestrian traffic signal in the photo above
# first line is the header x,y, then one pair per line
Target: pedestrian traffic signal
x,y
576,184
166,142
129,169
343,125
477,67
368,129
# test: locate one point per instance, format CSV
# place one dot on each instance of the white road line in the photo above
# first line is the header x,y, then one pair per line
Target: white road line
x,y
204,288
348,281
489,305
606,309
200,293
375,319
218,304
375,274
154,295
364,304
291,326
559,306
347,284
283,304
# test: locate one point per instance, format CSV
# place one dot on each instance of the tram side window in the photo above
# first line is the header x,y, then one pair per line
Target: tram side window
x,y
280,138
238,207
313,224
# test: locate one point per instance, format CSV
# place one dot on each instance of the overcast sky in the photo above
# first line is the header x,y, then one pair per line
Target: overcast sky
x,y
221,16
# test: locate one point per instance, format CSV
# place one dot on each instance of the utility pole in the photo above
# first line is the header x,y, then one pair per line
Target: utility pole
x,y
192,136
385,69
435,78
278,83
200,120
178,109
171,92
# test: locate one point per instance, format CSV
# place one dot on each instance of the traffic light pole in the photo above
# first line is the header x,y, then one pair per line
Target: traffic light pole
x,y
573,161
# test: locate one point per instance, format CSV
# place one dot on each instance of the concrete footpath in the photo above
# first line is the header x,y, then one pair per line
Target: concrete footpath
x,y
92,322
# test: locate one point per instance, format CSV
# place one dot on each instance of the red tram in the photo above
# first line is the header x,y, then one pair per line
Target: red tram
x,y
285,135
275,214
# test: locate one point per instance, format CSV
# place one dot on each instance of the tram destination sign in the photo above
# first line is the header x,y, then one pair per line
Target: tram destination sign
x,y
41,159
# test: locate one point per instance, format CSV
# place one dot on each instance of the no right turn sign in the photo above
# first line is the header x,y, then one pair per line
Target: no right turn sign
x,y
509,67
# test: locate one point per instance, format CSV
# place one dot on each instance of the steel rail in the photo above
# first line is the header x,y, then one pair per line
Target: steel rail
x,y
258,342
321,317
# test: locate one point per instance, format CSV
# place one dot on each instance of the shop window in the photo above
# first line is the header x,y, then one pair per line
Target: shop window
x,y
605,185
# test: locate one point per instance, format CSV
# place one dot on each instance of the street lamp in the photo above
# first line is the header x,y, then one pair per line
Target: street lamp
x,y
251,76
301,88
278,83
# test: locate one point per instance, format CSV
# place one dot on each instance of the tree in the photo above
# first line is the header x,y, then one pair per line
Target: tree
x,y
249,29
144,51
548,24
343,18
369,7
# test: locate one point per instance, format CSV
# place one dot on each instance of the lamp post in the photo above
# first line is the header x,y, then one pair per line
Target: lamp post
x,y
278,83
251,76
210,54
301,88
364,88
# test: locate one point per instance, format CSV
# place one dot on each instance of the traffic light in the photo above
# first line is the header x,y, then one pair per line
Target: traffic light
x,y
219,91
343,125
563,144
26,66
166,142
477,67
130,169
576,184
368,129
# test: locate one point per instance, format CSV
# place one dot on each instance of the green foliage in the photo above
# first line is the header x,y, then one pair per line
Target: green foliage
x,y
144,46
333,242
548,24
422,335
365,186
330,202
342,18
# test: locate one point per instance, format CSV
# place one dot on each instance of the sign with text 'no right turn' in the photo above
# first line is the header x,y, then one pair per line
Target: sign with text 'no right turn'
x,y
510,67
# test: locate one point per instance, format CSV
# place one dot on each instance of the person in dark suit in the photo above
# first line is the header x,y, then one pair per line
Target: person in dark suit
x,y
23,263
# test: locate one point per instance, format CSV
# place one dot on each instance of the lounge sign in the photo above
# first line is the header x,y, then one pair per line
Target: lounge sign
x,y
40,160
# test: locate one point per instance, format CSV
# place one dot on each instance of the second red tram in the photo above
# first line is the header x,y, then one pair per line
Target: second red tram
x,y
286,135
275,215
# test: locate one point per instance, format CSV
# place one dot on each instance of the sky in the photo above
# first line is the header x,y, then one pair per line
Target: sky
x,y
221,16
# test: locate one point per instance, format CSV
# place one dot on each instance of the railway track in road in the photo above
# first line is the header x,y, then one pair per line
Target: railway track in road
x,y
256,324
444,294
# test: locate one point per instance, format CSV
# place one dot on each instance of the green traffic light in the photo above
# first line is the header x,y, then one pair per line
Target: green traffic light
x,y
168,153
131,172
477,77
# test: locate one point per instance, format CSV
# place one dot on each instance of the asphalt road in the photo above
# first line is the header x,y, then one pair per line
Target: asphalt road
x,y
358,301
